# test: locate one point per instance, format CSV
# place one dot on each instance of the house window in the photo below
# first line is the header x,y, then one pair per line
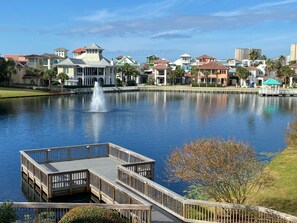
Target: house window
x,y
66,70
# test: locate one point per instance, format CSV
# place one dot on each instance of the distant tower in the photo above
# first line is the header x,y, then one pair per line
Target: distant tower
x,y
293,54
62,52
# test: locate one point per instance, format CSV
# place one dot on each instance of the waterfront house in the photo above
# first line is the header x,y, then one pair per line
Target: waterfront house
x,y
87,66
218,73
161,71
121,61
184,62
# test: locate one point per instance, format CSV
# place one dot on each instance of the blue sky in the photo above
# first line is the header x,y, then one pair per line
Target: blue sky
x,y
166,28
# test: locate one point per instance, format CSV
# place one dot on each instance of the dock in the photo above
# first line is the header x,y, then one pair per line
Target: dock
x,y
119,176
278,92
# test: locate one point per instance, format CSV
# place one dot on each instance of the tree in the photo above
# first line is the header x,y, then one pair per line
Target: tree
x,y
9,69
224,170
7,212
49,75
263,57
282,59
63,77
128,71
285,72
269,65
242,73
35,74
176,74
195,72
151,58
254,55
206,74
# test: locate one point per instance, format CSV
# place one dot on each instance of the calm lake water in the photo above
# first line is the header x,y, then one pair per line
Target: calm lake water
x,y
150,123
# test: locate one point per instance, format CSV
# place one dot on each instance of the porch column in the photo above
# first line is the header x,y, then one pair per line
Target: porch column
x,y
165,77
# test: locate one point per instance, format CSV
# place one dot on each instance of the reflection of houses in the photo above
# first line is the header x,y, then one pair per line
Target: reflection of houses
x,y
218,73
161,70
88,66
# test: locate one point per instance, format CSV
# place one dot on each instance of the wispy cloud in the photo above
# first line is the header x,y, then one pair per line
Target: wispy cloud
x,y
171,35
160,20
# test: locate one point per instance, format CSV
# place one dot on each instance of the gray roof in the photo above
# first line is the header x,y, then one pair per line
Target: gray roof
x,y
79,62
71,62
93,46
61,49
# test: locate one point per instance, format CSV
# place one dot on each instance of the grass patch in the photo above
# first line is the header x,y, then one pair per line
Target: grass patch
x,y
282,195
16,92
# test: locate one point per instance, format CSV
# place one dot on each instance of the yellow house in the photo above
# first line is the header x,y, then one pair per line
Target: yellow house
x,y
87,66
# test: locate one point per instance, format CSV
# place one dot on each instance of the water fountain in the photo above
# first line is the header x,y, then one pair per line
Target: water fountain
x,y
98,100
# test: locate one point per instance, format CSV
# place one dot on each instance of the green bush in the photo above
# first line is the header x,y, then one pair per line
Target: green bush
x,y
91,214
7,213
131,83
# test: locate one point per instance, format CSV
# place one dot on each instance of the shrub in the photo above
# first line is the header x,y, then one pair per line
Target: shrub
x,y
291,135
91,214
7,213
131,83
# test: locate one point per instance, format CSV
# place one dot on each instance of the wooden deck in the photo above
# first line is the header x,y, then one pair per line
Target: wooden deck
x,y
119,176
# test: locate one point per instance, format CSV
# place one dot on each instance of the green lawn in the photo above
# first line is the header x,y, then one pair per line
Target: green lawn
x,y
16,92
282,195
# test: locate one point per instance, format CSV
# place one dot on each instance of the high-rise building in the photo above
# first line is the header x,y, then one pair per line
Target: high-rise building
x,y
293,54
244,53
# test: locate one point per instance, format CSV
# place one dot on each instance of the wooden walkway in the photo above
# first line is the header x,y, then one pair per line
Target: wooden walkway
x,y
121,177
107,167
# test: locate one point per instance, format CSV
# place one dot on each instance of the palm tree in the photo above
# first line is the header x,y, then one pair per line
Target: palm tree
x,y
128,71
206,74
282,60
286,72
49,75
63,77
176,74
10,69
242,73
269,66
254,55
195,72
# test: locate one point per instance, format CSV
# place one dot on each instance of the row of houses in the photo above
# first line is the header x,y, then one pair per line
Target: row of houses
x,y
88,65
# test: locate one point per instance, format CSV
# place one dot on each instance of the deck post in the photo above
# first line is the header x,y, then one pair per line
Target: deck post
x,y
68,154
36,220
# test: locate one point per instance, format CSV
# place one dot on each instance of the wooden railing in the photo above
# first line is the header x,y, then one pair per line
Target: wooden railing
x,y
59,154
38,212
197,210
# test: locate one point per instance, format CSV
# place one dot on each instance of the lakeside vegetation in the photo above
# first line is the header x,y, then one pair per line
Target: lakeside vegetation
x,y
281,196
16,92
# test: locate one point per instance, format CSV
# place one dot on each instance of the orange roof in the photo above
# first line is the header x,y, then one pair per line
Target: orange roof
x,y
161,67
213,66
161,61
204,56
79,50
16,57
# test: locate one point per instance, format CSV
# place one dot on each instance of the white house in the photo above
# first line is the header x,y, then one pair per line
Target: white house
x,y
88,66
184,62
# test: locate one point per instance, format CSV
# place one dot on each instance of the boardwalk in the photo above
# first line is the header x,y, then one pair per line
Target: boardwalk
x,y
107,167
121,177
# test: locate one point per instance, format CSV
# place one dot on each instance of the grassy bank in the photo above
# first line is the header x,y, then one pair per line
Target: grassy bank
x,y
282,195
15,92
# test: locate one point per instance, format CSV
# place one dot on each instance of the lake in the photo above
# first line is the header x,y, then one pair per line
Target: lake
x,y
150,123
